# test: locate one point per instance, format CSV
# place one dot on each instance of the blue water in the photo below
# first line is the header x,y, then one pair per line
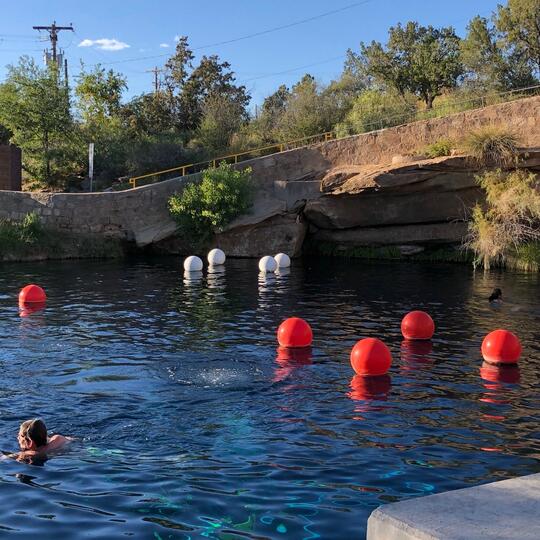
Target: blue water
x,y
190,425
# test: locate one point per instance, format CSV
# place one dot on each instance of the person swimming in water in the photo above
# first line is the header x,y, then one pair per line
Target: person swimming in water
x,y
496,296
35,443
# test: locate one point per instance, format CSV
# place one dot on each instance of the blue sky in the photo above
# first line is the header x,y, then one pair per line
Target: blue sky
x,y
113,32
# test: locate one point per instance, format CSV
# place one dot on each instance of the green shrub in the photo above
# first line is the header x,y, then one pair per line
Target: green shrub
x,y
13,233
373,110
510,220
526,257
204,208
493,146
440,148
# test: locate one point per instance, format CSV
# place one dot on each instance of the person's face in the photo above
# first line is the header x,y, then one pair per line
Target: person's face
x,y
25,443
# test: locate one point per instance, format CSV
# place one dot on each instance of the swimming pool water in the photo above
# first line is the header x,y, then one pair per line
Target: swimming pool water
x,y
191,425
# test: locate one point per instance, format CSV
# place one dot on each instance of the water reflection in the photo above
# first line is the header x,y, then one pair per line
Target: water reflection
x,y
25,310
495,380
192,278
414,354
370,388
289,360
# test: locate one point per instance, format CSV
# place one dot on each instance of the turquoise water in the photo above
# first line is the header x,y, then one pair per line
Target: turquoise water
x,y
191,425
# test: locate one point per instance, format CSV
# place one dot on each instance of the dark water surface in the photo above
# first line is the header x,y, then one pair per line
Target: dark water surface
x,y
191,426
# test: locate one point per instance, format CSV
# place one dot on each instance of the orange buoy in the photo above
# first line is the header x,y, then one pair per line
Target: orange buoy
x,y
370,356
32,294
370,388
501,347
294,332
417,325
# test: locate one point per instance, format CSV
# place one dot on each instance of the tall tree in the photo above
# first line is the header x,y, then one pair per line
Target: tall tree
x,y
490,62
519,20
99,93
189,85
422,60
36,110
210,78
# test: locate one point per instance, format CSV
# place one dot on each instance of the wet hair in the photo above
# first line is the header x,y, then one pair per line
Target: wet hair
x,y
35,430
495,295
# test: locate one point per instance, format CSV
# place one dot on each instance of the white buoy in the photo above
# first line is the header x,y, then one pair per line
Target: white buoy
x,y
216,257
282,260
267,264
193,264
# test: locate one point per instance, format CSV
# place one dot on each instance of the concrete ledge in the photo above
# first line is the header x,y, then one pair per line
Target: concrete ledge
x,y
506,510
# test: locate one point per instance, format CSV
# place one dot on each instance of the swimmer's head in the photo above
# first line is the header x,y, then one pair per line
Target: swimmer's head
x,y
32,434
495,295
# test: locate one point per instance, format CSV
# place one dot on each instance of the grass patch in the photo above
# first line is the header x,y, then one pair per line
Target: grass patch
x,y
440,148
30,240
492,146
525,258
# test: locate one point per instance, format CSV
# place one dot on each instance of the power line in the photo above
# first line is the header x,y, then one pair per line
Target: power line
x,y
249,36
340,57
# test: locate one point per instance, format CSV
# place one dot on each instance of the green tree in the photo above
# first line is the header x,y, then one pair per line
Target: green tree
x,y
490,62
210,78
5,135
188,86
35,108
221,118
519,21
99,93
375,109
422,60
149,114
309,111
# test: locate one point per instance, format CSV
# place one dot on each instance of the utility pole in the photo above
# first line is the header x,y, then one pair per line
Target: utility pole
x,y
155,71
53,34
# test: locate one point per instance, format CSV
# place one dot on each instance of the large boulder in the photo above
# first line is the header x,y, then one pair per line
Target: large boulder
x,y
280,233
381,209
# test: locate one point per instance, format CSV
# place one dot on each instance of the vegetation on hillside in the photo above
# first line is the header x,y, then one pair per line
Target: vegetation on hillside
x,y
200,111
508,228
204,208
492,146
29,239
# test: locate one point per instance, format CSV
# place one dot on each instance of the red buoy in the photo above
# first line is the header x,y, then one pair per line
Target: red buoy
x,y
294,332
370,356
417,325
501,347
32,294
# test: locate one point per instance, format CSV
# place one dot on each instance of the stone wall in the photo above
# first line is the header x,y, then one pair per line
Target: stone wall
x,y
284,183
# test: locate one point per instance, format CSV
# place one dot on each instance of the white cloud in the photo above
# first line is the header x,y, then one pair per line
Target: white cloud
x,y
105,44
177,38
164,45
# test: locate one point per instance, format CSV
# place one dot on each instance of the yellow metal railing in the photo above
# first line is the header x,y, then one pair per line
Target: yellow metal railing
x,y
192,168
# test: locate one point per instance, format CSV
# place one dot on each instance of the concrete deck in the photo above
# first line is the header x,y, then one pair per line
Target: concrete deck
x,y
505,510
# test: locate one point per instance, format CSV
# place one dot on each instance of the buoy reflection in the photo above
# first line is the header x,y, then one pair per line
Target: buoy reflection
x,y
289,360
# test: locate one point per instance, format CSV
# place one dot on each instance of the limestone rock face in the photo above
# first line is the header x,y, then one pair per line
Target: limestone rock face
x,y
402,235
282,233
